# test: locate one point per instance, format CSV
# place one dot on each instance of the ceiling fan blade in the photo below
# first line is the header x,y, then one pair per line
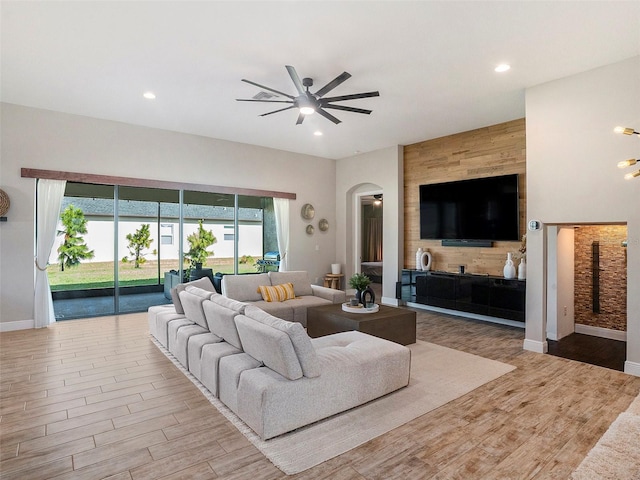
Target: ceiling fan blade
x,y
328,116
296,79
264,101
348,109
267,88
300,119
353,96
332,84
276,111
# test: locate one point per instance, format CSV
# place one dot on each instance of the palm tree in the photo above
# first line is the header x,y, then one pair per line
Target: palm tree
x,y
73,249
138,241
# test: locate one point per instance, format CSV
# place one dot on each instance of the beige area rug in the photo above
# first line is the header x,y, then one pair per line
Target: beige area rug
x,y
616,456
438,376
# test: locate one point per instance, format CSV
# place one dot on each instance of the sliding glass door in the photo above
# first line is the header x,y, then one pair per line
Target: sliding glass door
x,y
81,266
121,249
148,219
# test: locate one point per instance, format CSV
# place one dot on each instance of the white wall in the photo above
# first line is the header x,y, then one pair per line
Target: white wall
x,y
552,283
560,274
43,139
383,168
566,284
572,177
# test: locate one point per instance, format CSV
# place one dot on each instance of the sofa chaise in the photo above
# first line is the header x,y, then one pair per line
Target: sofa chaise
x,y
267,370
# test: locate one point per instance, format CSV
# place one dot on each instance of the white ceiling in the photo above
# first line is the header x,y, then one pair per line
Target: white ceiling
x,y
431,61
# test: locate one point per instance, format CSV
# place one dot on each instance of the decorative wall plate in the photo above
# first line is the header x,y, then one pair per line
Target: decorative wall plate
x,y
323,225
308,212
4,203
310,229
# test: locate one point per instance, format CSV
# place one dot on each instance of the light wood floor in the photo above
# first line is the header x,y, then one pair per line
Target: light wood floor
x,y
96,399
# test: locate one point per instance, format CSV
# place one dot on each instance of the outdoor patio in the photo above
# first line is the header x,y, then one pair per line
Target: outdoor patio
x,y
98,306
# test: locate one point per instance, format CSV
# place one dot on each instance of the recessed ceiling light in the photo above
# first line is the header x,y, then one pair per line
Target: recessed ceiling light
x,y
317,133
149,95
503,67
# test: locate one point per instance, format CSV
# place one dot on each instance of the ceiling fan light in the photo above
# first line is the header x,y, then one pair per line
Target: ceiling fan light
x,y
307,110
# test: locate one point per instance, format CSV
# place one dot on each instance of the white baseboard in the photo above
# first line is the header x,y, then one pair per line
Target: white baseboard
x,y
552,336
632,368
474,316
18,325
535,346
389,301
601,332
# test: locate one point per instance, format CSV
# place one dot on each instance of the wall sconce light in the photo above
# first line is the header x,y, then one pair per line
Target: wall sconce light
x,y
631,175
377,199
626,131
631,161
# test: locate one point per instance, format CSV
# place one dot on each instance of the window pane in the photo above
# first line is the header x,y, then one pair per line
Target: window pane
x,y
147,218
207,217
81,268
251,234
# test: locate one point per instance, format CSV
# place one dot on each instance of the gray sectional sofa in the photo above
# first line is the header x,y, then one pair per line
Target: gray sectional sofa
x,y
267,370
244,288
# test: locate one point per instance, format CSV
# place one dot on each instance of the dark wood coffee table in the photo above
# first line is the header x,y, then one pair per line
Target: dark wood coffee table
x,y
391,323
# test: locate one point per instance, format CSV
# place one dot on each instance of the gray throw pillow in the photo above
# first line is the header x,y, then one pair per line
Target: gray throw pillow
x,y
299,339
270,346
203,283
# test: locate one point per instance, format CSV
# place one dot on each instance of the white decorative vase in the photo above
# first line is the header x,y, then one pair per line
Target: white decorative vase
x,y
335,268
425,261
509,269
419,259
522,270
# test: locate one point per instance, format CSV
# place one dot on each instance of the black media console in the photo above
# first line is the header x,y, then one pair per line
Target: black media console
x,y
479,294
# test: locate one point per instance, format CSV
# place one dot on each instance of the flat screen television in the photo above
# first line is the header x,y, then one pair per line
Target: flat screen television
x,y
480,209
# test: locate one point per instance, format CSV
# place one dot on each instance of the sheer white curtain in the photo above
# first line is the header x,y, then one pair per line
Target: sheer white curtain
x,y
281,209
49,200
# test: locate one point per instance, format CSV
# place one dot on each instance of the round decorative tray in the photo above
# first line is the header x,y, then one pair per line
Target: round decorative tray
x,y
360,308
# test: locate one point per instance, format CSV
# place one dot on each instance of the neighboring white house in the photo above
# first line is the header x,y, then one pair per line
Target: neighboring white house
x,y
165,234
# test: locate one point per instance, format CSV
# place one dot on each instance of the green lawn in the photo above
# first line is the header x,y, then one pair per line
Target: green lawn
x,y
100,274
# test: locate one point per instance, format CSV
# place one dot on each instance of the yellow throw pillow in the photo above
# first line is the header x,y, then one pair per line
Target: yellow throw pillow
x,y
277,293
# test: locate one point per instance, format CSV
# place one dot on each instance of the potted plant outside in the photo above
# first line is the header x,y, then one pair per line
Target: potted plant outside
x,y
199,241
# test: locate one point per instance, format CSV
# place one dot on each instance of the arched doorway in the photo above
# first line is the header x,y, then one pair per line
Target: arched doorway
x,y
368,234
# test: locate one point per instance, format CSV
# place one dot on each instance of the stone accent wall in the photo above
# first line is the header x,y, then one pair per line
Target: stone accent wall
x,y
613,276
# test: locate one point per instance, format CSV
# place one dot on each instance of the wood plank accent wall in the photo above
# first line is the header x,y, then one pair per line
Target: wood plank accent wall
x,y
485,152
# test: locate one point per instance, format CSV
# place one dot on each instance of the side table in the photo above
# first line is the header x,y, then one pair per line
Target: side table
x,y
333,280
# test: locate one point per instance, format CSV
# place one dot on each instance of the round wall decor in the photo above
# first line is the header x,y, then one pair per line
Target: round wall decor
x,y
308,212
4,203
323,225
310,229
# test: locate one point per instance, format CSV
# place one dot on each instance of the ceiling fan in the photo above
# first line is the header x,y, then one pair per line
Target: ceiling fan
x,y
308,102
